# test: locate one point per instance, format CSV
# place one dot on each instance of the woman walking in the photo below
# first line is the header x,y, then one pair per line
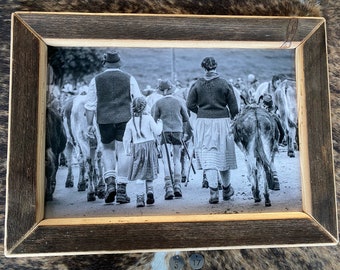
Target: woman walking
x,y
139,143
213,100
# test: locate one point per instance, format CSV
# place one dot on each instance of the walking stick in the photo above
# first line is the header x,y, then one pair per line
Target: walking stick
x,y
187,152
168,157
190,163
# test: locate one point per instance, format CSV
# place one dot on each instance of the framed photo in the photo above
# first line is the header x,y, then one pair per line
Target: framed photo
x,y
58,217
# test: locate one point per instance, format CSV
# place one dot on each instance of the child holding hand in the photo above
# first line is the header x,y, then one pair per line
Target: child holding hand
x,y
139,143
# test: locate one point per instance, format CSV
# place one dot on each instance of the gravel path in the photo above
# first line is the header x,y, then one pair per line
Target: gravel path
x,y
71,203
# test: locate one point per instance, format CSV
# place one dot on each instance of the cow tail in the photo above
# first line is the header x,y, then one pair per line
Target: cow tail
x,y
261,155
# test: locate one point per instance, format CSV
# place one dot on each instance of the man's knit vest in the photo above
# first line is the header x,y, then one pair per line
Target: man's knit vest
x,y
113,97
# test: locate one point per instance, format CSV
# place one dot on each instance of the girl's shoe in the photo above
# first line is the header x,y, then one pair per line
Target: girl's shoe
x,y
140,200
149,193
150,198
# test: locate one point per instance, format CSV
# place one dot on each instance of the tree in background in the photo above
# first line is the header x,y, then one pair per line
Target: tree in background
x,y
73,64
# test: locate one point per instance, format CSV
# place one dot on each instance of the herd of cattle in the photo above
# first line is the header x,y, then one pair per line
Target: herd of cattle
x,y
255,128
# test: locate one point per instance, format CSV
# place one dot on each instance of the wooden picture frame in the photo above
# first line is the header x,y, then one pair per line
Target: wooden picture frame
x,y
28,233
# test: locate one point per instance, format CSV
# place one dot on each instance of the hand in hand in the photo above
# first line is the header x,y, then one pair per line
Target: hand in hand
x,y
91,130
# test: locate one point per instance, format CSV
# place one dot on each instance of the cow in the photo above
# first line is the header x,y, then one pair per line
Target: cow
x,y
256,134
87,150
55,143
243,93
283,92
285,100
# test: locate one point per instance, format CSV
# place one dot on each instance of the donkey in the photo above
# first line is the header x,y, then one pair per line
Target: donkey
x,y
256,134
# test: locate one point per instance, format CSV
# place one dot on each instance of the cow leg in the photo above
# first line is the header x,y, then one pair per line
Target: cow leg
x,y
95,180
52,178
81,181
50,173
101,183
62,160
256,194
91,194
290,143
93,177
275,179
49,189
68,154
296,140
48,192
54,175
290,151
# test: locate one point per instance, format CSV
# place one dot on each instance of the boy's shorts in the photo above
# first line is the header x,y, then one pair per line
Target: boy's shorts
x,y
173,138
111,132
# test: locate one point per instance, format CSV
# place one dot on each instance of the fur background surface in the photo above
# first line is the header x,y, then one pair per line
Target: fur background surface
x,y
276,258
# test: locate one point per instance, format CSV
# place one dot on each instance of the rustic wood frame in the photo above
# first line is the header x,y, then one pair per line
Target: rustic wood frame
x,y
27,233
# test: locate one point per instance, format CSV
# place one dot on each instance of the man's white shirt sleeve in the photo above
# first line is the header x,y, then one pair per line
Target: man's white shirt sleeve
x,y
134,88
91,103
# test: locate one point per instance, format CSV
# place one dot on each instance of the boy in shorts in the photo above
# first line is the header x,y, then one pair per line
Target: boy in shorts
x,y
172,111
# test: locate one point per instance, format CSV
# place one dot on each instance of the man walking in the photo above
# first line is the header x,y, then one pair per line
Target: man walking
x,y
109,99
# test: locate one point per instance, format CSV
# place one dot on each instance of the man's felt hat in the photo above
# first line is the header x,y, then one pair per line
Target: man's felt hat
x,y
164,85
112,59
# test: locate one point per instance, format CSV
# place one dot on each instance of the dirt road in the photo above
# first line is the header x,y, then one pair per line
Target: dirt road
x,y
68,202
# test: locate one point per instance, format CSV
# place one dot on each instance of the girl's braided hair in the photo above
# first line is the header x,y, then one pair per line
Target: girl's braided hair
x,y
138,106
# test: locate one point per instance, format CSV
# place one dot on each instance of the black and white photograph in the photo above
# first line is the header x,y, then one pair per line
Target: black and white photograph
x,y
171,131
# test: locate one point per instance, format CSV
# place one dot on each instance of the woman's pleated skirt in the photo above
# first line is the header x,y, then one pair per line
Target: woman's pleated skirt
x,y
214,144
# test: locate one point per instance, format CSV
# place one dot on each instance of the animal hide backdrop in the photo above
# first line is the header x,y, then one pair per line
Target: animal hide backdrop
x,y
269,258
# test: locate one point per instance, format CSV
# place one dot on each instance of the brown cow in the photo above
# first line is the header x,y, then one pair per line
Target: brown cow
x,y
55,145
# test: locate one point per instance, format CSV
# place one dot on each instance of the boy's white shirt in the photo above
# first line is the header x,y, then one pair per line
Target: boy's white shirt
x,y
150,130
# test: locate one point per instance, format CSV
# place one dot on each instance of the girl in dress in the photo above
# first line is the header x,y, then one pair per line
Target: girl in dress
x,y
139,143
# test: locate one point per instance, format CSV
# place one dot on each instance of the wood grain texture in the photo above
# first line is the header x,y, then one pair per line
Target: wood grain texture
x,y
169,27
117,238
260,258
21,196
243,233
319,127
